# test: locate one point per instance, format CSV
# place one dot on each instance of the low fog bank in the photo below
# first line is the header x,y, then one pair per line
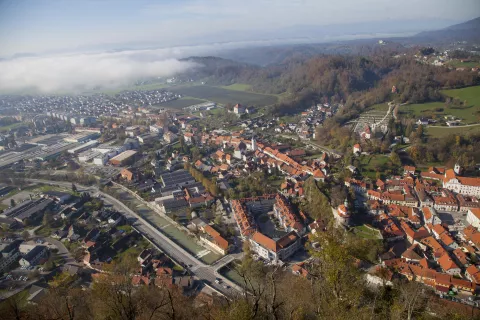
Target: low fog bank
x,y
77,72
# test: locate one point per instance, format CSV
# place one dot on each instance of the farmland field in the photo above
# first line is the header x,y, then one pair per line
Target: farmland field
x,y
224,96
181,103
445,131
460,64
238,87
469,94
469,114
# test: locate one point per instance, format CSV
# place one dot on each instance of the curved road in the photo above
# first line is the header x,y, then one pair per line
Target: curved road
x,y
202,271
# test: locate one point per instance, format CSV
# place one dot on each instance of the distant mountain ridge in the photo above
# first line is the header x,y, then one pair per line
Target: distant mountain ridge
x,y
466,31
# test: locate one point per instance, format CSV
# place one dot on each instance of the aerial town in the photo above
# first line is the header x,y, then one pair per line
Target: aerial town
x,y
280,181
81,191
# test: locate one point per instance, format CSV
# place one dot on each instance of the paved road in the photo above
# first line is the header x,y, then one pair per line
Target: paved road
x,y
202,271
453,127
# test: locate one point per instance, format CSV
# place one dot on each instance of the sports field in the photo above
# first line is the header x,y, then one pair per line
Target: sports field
x,y
224,96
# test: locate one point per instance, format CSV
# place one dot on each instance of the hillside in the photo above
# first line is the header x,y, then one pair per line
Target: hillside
x,y
466,31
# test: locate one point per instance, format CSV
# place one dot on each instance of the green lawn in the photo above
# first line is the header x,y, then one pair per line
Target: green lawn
x,y
44,231
369,163
238,87
459,64
367,232
470,94
379,107
445,131
225,96
215,111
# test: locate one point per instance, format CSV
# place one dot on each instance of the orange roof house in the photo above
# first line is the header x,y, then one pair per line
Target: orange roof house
x,y
447,264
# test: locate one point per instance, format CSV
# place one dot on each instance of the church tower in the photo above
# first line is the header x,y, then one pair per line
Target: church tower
x,y
457,169
254,144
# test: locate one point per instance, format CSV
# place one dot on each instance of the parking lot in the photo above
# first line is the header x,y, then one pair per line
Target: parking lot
x,y
455,219
18,197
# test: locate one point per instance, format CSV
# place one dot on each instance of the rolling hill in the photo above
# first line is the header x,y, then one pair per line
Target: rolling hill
x,y
466,31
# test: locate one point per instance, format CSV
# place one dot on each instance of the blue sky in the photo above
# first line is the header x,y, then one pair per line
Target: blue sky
x,y
49,25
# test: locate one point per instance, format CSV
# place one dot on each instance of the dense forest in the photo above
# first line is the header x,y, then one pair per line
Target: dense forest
x,y
333,289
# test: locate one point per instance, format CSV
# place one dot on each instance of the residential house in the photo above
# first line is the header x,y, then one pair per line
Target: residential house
x,y
239,109
170,137
448,265
34,256
127,174
409,170
357,148
214,240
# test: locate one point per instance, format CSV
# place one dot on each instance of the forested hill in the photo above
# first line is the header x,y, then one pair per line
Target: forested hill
x,y
217,70
357,81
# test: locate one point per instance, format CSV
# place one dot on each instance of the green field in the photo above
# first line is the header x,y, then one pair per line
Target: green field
x,y
379,107
367,232
437,110
459,64
224,96
470,113
440,132
469,94
368,164
238,87
181,103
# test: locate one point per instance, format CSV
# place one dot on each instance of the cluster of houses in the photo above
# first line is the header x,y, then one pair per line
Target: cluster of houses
x,y
157,269
311,118
441,253
249,155
255,218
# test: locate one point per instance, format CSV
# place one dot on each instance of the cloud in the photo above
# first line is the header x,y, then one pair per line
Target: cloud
x,y
79,72
84,71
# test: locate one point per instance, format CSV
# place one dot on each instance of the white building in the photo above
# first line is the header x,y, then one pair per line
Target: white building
x,y
275,250
342,216
239,109
464,185
473,217
357,148
156,129
254,145
169,137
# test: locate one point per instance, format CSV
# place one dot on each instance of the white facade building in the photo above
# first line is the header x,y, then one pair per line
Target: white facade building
x,y
473,217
